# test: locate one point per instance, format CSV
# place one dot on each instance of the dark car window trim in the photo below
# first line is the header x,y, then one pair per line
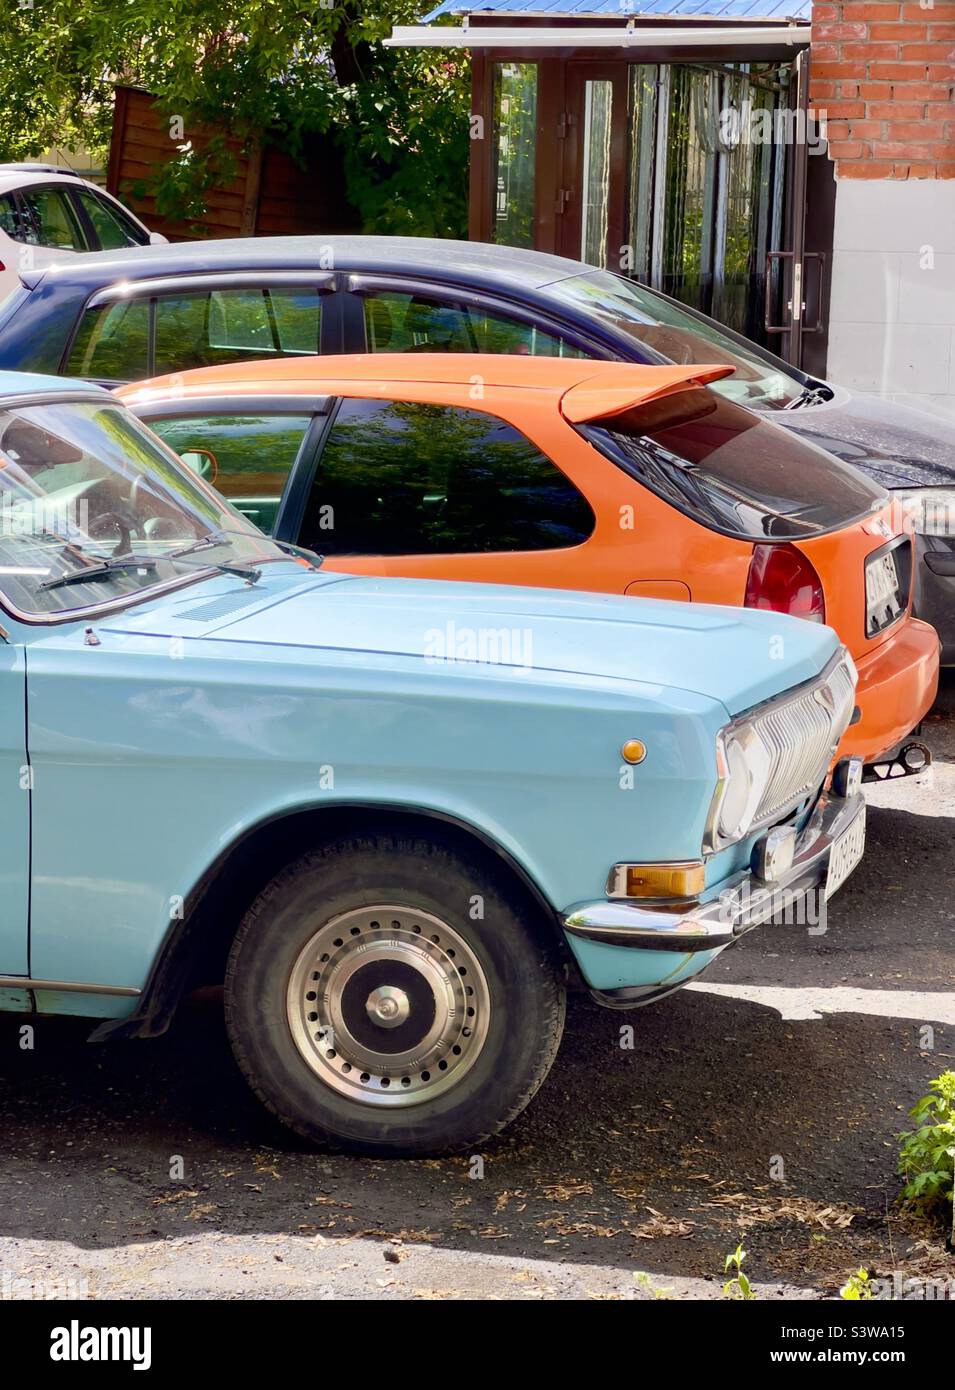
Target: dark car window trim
x,y
86,221
189,282
232,405
360,285
298,484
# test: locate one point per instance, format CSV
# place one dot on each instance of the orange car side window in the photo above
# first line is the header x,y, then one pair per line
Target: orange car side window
x,y
398,478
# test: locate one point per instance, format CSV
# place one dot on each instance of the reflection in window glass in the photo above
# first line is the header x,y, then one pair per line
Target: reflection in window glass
x,y
595,222
10,218
514,152
748,167
247,458
688,237
706,184
107,225
643,126
404,322
204,330
52,221
398,478
113,342
679,336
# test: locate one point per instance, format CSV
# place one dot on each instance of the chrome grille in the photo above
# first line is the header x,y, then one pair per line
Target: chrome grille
x,y
801,733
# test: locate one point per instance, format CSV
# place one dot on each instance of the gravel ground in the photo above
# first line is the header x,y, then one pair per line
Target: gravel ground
x,y
760,1105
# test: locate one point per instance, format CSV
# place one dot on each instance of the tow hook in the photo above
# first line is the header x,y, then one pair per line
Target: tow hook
x,y
911,759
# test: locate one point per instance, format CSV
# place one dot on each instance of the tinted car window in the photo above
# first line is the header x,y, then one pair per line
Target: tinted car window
x,y
115,342
203,330
112,343
247,458
111,228
406,479
732,470
9,217
404,322
51,220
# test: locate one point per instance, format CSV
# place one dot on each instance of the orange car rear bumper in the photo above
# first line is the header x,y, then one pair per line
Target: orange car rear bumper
x,y
897,686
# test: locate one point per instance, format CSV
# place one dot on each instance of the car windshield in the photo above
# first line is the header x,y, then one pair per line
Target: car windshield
x,y
84,487
679,337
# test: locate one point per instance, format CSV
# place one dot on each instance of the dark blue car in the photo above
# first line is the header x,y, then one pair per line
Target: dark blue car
x,y
123,316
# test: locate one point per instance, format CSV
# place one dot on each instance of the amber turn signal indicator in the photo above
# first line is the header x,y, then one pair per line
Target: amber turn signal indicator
x,y
657,880
634,751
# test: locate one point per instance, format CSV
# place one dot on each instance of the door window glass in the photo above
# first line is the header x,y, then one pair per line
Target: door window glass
x,y
206,329
110,227
397,478
112,343
51,220
247,458
10,218
404,322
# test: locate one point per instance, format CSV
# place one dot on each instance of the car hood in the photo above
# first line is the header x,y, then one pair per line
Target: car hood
x,y
893,444
544,634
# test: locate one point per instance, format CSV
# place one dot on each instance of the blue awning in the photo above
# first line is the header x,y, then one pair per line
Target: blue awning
x,y
752,10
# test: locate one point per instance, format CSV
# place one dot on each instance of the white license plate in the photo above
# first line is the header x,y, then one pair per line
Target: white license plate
x,y
845,854
881,581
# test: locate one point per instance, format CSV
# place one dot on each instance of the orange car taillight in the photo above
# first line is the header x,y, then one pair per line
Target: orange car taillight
x,y
782,579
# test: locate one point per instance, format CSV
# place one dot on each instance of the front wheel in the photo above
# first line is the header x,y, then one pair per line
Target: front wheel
x,y
384,996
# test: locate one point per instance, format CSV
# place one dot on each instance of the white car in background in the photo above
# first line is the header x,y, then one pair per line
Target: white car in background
x,y
43,208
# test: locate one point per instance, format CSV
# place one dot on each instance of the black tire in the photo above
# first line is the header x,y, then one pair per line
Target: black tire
x,y
522,984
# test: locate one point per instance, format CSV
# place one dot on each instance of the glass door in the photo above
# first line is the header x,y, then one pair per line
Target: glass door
x,y
592,200
705,184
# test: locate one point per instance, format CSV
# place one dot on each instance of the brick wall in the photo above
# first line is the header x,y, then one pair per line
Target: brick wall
x,y
885,74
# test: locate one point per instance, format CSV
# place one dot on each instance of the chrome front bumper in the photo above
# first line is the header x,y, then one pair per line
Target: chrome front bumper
x,y
745,902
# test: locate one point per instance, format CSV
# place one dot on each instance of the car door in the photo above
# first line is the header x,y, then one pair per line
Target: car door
x,y
443,491
255,454
15,792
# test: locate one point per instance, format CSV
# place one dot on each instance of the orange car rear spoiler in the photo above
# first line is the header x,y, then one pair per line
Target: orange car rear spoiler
x,y
612,392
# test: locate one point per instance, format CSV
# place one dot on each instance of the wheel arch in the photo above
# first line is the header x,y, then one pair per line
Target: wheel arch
x,y
194,950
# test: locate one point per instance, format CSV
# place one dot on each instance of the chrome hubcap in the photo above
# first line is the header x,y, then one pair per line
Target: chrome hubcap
x,y
388,1006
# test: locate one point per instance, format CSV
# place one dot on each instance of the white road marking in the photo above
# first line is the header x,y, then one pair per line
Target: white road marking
x,y
801,1004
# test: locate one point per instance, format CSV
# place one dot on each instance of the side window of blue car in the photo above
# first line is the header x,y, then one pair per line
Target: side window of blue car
x,y
399,478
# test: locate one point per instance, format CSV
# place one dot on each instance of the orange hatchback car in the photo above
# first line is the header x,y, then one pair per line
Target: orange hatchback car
x,y
562,473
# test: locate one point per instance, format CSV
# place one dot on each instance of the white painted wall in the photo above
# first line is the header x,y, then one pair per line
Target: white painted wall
x,y
892,310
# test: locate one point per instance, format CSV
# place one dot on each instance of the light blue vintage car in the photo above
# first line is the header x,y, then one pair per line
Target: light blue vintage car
x,y
395,817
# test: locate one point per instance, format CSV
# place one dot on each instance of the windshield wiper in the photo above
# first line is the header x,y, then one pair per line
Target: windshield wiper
x,y
218,538
108,568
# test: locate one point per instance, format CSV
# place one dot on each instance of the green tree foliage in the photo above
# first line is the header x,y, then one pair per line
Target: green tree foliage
x,y
258,69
